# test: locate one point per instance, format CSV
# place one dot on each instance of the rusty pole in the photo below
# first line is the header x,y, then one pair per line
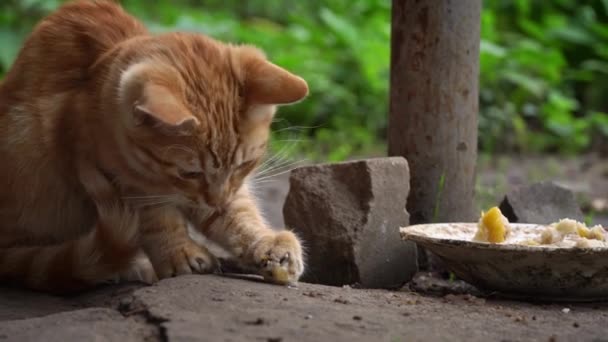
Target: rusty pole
x,y
434,104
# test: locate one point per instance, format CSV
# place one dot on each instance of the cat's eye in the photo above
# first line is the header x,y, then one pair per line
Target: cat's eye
x,y
190,174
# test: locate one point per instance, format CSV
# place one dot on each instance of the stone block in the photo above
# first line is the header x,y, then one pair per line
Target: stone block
x,y
348,215
540,203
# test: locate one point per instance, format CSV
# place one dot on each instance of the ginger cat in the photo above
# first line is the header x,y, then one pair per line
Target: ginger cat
x,y
113,140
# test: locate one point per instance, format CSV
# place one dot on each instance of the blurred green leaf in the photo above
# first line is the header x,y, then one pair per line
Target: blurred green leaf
x,y
535,86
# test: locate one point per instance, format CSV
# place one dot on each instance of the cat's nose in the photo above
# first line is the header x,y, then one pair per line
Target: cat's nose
x,y
218,197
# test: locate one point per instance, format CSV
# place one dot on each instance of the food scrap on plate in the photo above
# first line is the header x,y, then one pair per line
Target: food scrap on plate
x,y
493,227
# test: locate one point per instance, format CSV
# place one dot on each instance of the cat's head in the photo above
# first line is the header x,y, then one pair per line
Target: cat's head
x,y
198,115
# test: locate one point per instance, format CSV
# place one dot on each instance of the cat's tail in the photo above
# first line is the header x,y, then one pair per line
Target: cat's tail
x,y
77,264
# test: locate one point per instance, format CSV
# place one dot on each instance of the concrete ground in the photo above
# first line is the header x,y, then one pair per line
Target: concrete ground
x,y
214,308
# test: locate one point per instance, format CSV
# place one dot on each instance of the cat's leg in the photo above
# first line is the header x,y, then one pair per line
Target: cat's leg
x,y
165,239
276,255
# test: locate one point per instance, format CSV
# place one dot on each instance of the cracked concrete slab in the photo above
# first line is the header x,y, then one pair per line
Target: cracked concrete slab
x,y
224,309
15,304
98,324
214,308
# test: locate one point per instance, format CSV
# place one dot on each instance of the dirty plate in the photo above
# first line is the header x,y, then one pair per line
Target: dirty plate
x,y
536,272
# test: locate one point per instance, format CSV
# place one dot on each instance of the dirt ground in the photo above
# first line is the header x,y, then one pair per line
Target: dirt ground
x,y
240,308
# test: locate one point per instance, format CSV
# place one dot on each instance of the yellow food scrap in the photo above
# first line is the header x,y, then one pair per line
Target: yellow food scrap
x,y
569,226
280,275
492,227
583,231
570,232
597,233
550,235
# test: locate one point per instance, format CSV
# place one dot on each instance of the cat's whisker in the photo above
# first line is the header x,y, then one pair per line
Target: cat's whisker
x,y
296,128
288,166
282,168
283,152
292,140
273,168
282,160
254,191
273,159
261,185
273,175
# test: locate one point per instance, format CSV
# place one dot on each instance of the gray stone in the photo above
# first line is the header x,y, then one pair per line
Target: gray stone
x,y
540,203
348,215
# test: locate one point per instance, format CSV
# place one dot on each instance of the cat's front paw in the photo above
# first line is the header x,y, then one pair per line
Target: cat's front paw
x,y
187,258
140,270
279,258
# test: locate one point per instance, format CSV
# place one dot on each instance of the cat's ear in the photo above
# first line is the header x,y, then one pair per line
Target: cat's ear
x,y
268,84
152,105
158,108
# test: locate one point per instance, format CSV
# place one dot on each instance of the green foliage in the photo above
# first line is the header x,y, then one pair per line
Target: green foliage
x,y
544,66
16,19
